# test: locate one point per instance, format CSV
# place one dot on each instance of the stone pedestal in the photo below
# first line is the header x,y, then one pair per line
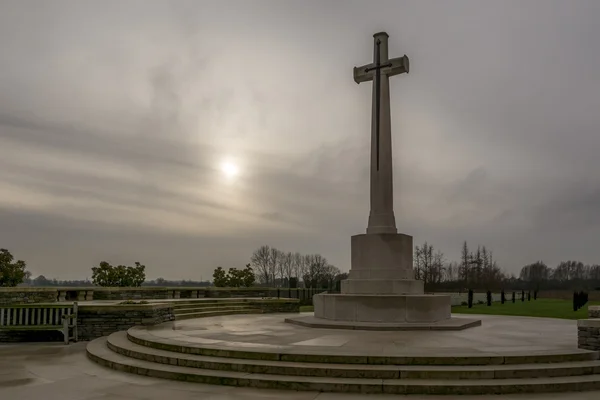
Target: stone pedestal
x,y
381,287
381,292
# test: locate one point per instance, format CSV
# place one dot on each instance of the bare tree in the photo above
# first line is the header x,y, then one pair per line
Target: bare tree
x,y
594,272
287,260
315,271
451,271
307,260
330,272
465,263
261,263
298,262
275,265
437,267
418,268
424,261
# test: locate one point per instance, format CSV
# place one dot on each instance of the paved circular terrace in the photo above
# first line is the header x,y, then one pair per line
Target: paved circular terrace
x,y
497,336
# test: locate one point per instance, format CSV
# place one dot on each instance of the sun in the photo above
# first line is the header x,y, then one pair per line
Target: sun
x,y
229,169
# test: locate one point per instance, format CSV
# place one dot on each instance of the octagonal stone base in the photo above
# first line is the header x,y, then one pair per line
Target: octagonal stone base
x,y
383,312
382,308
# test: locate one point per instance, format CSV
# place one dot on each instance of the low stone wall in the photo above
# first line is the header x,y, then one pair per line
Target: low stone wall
x,y
22,295
101,320
138,293
276,305
593,311
27,295
588,334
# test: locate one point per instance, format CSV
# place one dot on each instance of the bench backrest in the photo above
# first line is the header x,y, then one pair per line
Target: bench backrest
x,y
36,314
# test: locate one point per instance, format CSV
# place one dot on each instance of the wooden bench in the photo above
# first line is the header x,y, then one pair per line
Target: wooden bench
x,y
40,317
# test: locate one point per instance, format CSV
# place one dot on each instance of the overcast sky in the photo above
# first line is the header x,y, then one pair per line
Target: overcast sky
x,y
116,116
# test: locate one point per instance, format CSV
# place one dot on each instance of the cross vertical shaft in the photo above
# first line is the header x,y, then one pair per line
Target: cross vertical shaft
x,y
381,216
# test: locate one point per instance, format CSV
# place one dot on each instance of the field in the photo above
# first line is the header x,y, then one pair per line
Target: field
x,y
545,308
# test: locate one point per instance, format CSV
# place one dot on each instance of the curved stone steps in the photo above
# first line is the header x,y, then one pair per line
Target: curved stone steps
x,y
119,343
141,336
202,303
190,308
99,352
222,311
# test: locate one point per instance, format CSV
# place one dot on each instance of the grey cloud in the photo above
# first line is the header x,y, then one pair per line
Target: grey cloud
x,y
114,119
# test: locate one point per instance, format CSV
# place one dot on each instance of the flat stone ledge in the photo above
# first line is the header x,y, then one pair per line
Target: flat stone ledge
x,y
452,324
593,311
588,323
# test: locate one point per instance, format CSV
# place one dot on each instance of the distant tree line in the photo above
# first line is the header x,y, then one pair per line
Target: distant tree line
x,y
566,275
476,269
277,268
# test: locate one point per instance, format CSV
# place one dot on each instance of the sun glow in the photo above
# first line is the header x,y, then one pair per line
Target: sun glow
x,y
229,169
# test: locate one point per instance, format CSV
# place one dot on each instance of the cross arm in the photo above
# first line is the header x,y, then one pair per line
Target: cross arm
x,y
391,67
364,73
399,65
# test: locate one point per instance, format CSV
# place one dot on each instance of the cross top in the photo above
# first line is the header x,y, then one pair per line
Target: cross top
x,y
388,67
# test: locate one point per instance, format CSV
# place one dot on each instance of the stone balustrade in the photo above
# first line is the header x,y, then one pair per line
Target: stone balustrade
x,y
25,295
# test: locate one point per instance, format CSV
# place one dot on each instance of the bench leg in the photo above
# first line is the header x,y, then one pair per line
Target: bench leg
x,y
66,330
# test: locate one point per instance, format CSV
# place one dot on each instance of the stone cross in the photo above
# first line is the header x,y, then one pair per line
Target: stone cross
x,y
381,216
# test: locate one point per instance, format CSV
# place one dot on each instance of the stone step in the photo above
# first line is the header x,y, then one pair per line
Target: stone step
x,y
141,336
224,311
119,343
99,352
191,308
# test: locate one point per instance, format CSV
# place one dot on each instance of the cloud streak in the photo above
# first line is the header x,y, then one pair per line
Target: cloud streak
x,y
113,127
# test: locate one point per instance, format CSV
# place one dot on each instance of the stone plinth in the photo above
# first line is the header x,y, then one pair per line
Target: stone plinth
x,y
381,264
382,308
381,256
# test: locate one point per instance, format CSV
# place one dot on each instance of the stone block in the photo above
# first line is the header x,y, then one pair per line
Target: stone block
x,y
379,286
382,255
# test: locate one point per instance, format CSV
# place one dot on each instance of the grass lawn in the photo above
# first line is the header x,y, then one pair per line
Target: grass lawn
x,y
546,308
